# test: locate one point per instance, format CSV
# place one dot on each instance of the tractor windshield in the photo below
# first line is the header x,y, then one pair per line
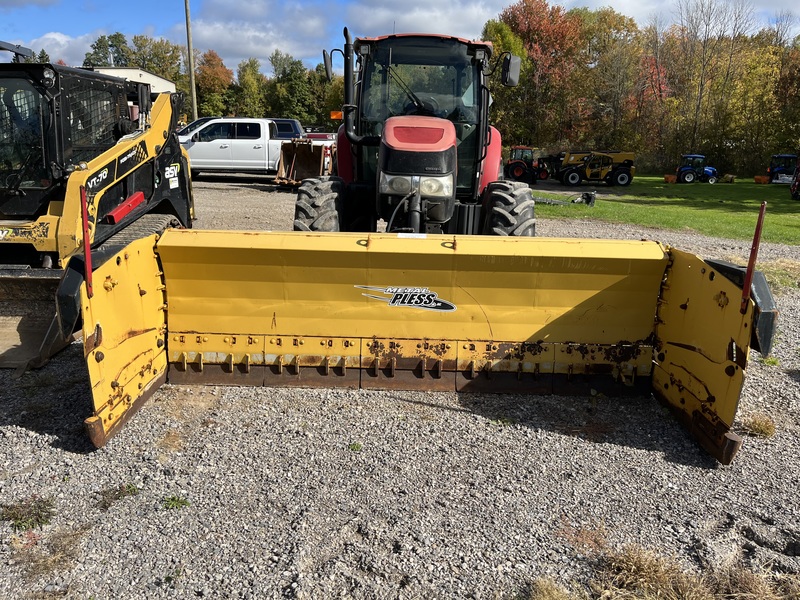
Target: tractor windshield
x,y
786,162
693,161
22,121
424,76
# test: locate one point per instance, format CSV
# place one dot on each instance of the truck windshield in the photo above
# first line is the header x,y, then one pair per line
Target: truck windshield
x,y
22,121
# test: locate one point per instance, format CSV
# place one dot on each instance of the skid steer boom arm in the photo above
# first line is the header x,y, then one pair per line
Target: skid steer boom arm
x,y
461,313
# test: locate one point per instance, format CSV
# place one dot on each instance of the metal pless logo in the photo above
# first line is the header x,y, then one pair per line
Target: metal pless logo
x,y
409,297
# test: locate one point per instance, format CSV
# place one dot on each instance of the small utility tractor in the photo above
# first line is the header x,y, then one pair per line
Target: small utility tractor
x,y
416,152
781,168
693,168
523,165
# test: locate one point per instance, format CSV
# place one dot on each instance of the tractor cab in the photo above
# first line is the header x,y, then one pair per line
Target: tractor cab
x,y
523,165
416,149
693,167
781,168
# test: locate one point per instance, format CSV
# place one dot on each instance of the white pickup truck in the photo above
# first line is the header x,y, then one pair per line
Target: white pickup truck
x,y
234,144
250,145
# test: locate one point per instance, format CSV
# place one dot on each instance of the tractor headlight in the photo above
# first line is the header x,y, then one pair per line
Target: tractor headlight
x,y
436,187
429,187
395,184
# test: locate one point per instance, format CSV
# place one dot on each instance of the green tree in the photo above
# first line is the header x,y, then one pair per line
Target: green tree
x,y
249,92
158,56
510,111
100,56
109,51
288,93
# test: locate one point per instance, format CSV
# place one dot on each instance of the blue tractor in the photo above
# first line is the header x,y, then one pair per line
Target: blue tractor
x,y
781,168
693,168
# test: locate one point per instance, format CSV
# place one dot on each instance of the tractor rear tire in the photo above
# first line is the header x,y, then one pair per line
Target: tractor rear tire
x,y
319,204
688,176
509,210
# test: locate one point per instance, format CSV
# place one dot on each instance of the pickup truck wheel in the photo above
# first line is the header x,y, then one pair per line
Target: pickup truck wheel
x,y
509,210
318,204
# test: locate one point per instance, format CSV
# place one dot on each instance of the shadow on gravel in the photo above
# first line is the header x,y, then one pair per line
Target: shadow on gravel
x,y
794,374
258,183
52,401
638,422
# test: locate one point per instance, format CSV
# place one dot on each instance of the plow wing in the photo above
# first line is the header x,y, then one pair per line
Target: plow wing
x,y
471,313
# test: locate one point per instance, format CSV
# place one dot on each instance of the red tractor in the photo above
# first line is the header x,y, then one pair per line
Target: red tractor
x,y
523,165
416,152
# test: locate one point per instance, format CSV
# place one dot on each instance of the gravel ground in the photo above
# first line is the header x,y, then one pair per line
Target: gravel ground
x,y
340,494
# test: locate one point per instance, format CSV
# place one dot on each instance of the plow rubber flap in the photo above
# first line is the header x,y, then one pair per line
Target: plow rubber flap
x,y
123,333
411,312
27,313
702,350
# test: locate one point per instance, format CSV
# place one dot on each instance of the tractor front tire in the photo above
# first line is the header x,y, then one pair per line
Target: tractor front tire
x,y
712,180
319,204
509,210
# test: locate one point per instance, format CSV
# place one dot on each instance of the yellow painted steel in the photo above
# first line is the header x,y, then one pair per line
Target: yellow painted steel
x,y
123,332
340,285
149,141
702,349
417,312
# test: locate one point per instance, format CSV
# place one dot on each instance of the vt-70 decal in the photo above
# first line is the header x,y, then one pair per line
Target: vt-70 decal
x,y
409,297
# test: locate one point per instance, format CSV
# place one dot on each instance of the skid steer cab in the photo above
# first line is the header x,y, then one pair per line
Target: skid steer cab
x,y
416,152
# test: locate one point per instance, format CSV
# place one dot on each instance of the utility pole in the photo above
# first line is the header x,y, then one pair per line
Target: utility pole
x,y
191,61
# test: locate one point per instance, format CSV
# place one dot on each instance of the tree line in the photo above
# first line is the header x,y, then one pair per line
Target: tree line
x,y
710,83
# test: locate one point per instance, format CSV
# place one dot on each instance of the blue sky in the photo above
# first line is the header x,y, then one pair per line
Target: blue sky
x,y
240,29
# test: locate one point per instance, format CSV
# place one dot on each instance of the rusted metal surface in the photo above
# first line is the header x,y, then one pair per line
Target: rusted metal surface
x,y
100,434
441,365
699,373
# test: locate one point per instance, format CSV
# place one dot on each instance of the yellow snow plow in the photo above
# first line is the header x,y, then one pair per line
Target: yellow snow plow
x,y
425,312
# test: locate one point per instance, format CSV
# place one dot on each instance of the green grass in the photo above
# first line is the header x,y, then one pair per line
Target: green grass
x,y
728,210
173,502
34,511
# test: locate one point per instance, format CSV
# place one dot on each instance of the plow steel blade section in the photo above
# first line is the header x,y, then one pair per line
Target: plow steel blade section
x,y
472,313
702,351
433,312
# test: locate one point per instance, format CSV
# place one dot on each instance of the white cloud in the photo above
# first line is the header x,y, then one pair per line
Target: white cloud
x,y
63,47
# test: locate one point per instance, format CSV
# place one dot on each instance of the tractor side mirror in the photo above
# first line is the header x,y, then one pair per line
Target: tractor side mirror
x,y
326,59
511,68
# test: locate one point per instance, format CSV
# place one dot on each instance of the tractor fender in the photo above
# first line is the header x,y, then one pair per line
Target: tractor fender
x,y
492,163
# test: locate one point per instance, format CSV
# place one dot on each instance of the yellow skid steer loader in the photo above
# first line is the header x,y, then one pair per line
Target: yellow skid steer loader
x,y
86,160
